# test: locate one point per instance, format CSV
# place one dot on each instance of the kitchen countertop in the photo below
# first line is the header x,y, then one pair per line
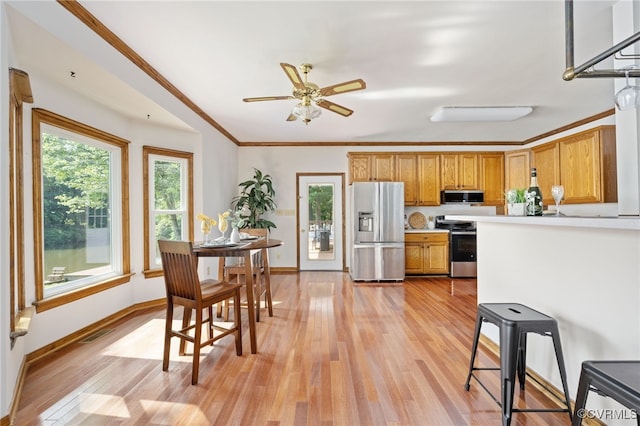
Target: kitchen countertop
x,y
425,230
603,222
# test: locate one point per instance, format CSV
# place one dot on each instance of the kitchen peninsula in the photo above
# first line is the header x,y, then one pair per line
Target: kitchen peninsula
x,y
583,271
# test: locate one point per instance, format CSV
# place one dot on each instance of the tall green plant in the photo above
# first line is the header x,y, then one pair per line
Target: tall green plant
x,y
259,196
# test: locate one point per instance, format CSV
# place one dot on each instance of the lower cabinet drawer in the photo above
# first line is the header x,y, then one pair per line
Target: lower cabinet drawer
x,y
426,237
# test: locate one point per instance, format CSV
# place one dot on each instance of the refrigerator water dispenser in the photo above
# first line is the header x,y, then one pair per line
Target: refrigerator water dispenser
x,y
365,221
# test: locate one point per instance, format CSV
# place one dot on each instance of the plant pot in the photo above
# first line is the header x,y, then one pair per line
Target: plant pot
x,y
516,209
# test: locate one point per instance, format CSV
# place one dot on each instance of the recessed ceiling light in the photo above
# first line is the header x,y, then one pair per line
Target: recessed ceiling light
x,y
481,113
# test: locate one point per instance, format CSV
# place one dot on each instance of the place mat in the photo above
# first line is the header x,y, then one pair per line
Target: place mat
x,y
417,220
219,245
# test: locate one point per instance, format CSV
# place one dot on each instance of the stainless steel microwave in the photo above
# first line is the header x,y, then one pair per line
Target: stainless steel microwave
x,y
461,197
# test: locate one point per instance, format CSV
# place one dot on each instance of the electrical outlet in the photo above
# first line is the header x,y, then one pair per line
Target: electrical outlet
x,y
208,270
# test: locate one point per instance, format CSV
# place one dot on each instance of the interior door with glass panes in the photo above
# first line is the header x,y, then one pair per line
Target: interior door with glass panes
x,y
320,219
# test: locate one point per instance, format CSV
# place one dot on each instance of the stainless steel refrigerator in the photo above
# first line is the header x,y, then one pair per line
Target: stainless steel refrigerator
x,y
377,250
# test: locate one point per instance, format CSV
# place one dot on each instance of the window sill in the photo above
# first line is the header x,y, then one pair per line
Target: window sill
x,y
23,321
72,296
152,273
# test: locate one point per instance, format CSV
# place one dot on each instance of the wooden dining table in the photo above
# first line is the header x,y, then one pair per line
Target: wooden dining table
x,y
243,249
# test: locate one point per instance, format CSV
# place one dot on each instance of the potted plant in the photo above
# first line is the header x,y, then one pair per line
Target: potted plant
x,y
256,198
516,201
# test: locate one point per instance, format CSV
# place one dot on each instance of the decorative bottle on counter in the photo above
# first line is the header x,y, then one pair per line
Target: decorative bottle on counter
x,y
534,196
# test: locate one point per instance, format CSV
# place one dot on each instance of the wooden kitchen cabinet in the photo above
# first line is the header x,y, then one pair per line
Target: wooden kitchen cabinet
x,y
492,178
459,170
421,176
426,253
584,163
407,172
359,167
428,179
371,167
516,169
588,169
546,159
383,167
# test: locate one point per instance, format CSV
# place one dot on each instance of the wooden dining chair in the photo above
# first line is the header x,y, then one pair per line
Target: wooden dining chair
x,y
262,286
185,289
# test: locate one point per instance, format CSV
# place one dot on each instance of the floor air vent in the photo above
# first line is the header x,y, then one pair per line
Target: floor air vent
x,y
90,338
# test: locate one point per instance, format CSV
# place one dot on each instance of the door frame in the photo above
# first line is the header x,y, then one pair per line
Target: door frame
x,y
340,175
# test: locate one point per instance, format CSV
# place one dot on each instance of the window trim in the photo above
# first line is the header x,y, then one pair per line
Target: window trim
x,y
148,151
19,93
43,116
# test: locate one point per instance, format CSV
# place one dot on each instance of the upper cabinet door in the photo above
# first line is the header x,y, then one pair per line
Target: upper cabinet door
x,y
546,159
449,171
580,163
407,172
516,169
359,168
365,167
468,171
459,171
429,179
383,167
492,178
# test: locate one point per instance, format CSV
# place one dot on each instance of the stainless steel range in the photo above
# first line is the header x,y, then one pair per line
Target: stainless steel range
x,y
462,246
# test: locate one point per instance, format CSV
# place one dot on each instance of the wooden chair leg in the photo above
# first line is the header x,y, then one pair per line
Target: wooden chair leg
x,y
186,319
196,347
210,322
167,336
267,295
226,302
258,293
267,280
236,314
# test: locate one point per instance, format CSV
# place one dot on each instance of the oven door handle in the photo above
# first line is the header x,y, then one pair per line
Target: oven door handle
x,y
463,233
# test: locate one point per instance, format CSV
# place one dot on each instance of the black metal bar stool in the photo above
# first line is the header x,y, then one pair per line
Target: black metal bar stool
x,y
619,380
514,321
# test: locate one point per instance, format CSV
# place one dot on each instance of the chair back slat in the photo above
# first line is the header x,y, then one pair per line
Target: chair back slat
x,y
180,269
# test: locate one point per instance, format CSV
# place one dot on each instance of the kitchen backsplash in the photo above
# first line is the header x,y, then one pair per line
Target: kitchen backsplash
x,y
452,209
589,210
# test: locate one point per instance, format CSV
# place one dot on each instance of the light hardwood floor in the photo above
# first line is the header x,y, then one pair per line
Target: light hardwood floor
x,y
334,353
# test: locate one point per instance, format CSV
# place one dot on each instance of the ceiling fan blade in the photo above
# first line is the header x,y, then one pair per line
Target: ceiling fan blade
x,y
338,109
292,117
268,98
294,76
347,86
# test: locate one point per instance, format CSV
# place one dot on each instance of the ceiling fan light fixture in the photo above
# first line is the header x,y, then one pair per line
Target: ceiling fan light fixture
x,y
507,113
306,111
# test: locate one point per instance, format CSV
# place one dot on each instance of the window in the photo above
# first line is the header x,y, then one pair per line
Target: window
x,y
81,209
168,191
20,91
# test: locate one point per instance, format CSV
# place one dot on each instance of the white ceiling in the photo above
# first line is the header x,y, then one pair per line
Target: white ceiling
x,y
415,57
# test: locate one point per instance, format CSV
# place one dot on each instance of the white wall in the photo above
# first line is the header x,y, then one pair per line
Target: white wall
x,y
7,374
587,279
215,171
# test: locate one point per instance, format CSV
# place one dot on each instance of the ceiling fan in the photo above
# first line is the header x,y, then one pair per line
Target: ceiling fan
x,y
310,95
